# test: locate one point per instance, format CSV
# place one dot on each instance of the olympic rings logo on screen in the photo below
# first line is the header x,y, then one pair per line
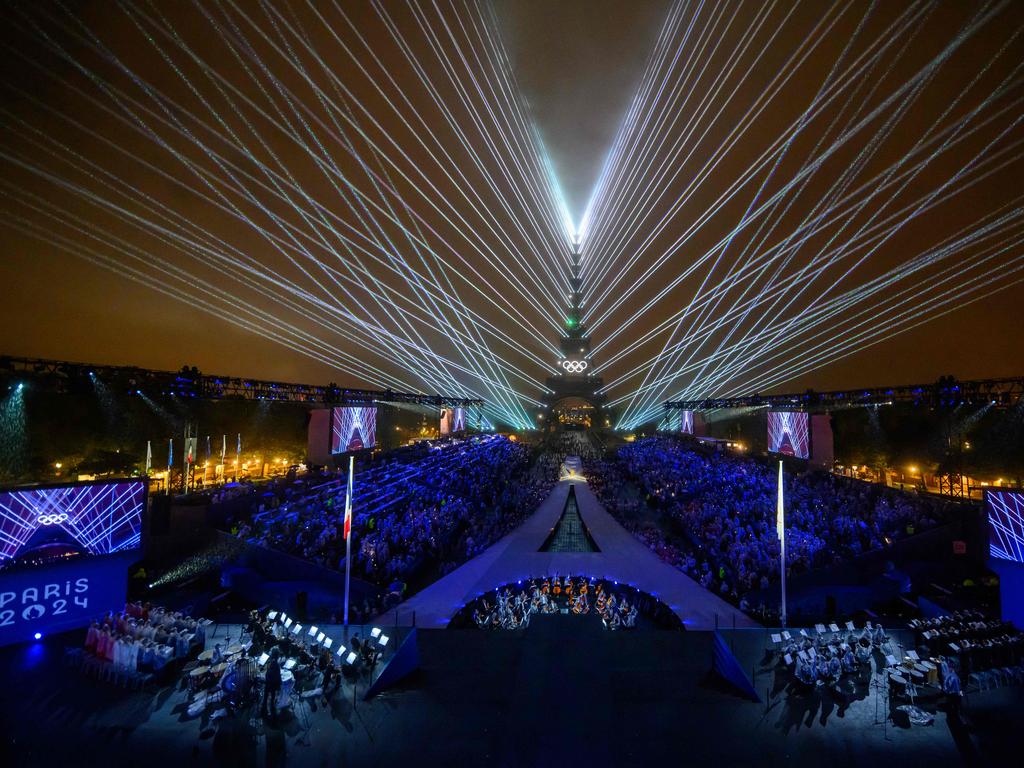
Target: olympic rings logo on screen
x,y
574,366
54,519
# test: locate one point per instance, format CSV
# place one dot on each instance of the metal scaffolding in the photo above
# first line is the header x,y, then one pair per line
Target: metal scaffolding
x,y
947,392
65,376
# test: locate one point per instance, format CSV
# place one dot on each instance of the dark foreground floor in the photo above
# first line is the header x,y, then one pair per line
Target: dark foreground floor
x,y
563,693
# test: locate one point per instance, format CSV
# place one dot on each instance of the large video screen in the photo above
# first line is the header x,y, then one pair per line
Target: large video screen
x,y
353,428
62,596
788,433
1005,524
686,422
453,421
39,525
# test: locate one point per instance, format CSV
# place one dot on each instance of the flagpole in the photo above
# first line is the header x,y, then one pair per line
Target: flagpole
x,y
184,458
782,540
348,533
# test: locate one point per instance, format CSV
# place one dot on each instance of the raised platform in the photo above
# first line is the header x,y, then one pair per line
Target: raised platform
x,y
563,692
621,558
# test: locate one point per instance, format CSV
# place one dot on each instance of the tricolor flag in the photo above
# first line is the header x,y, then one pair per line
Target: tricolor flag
x,y
348,498
191,447
780,515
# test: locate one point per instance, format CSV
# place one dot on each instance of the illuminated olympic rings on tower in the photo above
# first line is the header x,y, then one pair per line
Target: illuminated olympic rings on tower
x,y
574,366
54,519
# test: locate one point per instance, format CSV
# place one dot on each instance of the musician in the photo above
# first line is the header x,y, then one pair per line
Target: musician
x,y
272,686
332,678
954,695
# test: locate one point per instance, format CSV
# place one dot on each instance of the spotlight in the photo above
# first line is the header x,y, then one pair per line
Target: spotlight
x,y
38,635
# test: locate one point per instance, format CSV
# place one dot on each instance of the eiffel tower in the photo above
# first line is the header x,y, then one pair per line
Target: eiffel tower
x,y
574,399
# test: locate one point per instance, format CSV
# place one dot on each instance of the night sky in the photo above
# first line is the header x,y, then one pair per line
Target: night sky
x,y
385,193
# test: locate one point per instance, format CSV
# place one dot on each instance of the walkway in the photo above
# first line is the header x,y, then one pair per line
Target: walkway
x,y
621,558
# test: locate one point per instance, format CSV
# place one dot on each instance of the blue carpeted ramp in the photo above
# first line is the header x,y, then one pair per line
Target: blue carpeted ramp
x,y
728,668
405,661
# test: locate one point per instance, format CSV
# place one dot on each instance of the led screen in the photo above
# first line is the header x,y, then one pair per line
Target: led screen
x,y
453,420
46,524
686,422
353,428
1005,524
788,434
57,598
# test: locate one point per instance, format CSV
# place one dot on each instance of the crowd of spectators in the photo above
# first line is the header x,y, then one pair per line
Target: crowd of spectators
x,y
716,513
417,514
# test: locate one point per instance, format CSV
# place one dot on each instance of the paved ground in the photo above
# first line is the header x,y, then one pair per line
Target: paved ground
x,y
562,692
622,558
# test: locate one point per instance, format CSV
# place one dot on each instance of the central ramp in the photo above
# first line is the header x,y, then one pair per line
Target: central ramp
x,y
571,534
618,556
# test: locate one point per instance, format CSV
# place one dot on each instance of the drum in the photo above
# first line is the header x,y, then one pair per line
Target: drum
x,y
932,673
233,649
196,676
206,655
897,685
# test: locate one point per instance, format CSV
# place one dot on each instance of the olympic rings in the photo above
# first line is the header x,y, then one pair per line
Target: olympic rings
x,y
574,366
54,519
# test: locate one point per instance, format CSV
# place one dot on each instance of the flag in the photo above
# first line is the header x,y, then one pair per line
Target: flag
x,y
223,448
191,448
149,456
238,449
348,498
780,515
208,451
170,453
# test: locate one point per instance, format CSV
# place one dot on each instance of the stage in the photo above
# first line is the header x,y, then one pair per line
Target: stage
x,y
621,558
561,692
